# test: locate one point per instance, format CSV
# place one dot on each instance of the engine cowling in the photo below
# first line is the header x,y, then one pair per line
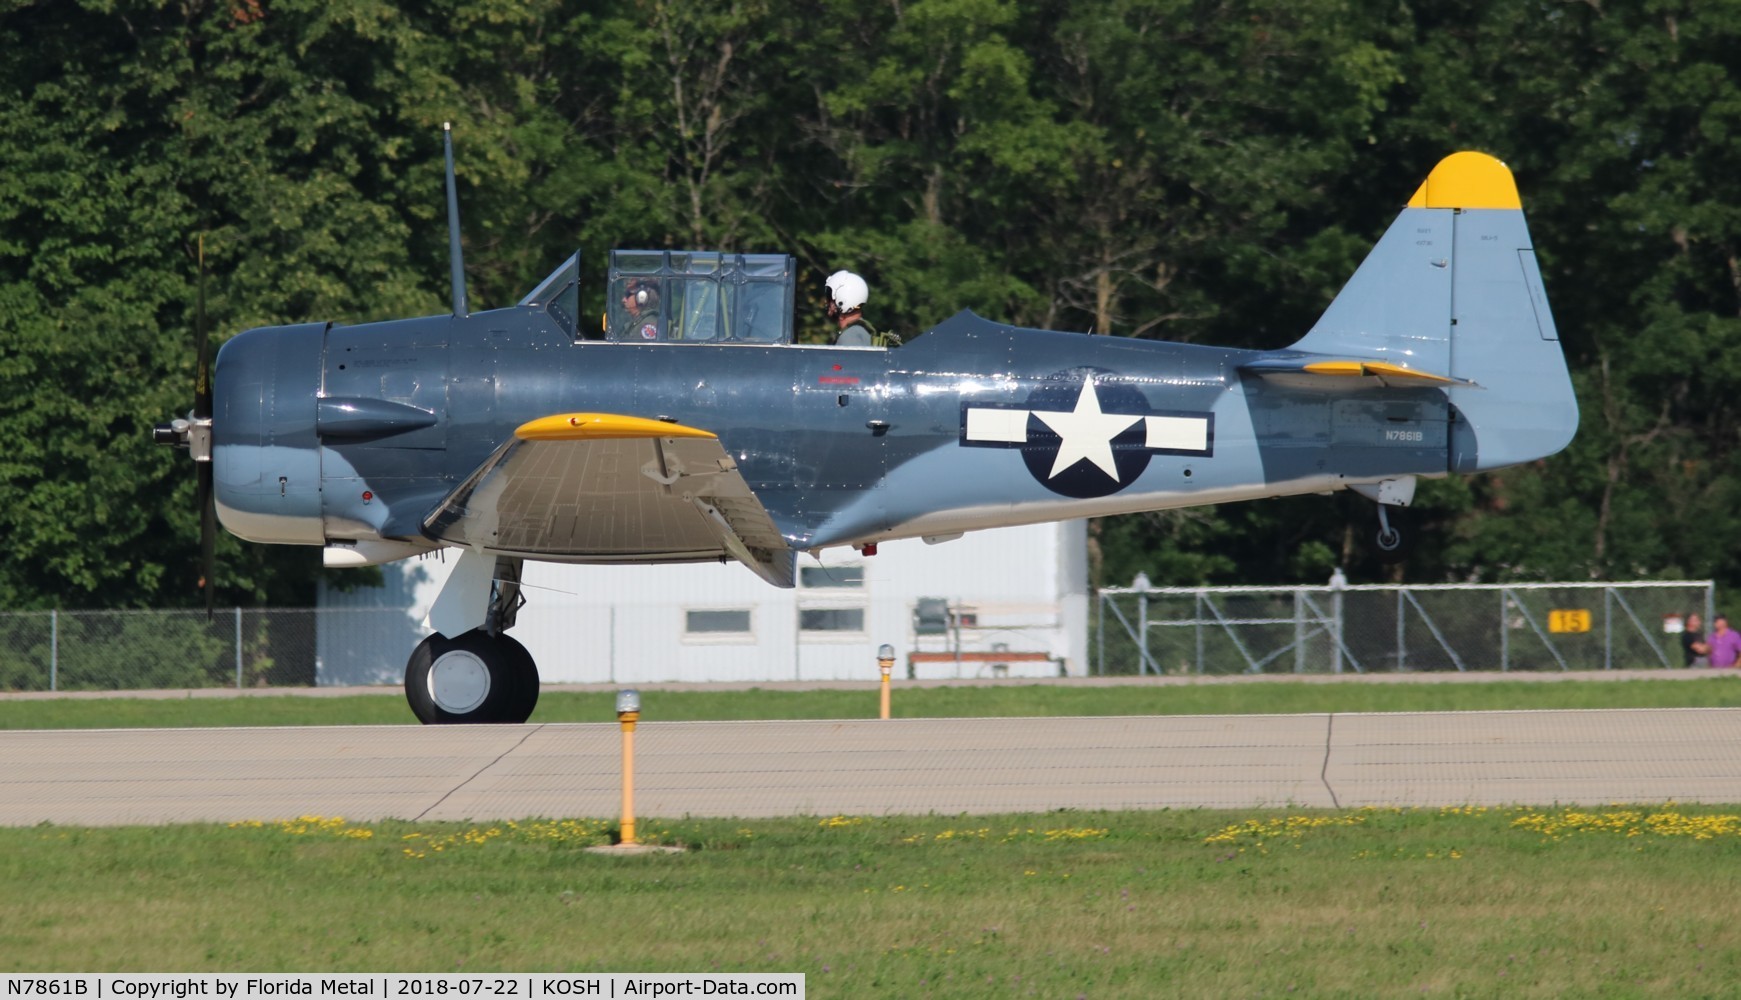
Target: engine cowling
x,y
265,453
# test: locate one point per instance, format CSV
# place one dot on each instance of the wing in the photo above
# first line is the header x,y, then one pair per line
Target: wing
x,y
1322,371
601,487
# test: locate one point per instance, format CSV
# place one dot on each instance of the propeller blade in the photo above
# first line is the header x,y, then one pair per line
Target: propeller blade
x,y
208,536
202,379
202,410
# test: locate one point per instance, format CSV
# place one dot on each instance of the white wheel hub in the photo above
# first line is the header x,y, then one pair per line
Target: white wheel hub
x,y
458,682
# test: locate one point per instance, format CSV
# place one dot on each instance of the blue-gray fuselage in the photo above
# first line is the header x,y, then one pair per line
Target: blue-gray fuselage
x,y
327,433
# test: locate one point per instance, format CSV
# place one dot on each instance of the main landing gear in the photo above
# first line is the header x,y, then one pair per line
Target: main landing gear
x,y
481,675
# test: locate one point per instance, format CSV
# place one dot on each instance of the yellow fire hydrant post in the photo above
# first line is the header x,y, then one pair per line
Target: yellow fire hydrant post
x,y
628,713
886,662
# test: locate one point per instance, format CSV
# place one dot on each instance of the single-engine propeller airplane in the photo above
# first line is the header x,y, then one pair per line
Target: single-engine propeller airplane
x,y
693,428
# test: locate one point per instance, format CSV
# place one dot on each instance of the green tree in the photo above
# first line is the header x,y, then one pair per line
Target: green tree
x,y
1197,171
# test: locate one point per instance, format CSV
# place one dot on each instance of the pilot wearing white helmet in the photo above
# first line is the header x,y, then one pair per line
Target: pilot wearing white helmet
x,y
847,293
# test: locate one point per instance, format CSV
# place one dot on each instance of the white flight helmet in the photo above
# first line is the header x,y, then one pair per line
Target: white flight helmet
x,y
848,290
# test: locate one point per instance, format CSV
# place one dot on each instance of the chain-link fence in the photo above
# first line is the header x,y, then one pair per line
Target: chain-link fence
x,y
1377,628
626,642
116,650
1156,630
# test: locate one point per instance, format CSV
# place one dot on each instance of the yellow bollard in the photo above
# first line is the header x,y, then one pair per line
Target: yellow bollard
x,y
886,662
628,713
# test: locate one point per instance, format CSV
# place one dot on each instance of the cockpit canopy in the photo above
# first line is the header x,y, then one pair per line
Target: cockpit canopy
x,y
680,296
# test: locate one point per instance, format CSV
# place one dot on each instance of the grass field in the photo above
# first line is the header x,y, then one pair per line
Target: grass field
x,y
1439,903
1016,699
1459,902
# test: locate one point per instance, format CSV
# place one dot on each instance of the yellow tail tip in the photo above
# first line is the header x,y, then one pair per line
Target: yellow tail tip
x,y
1468,180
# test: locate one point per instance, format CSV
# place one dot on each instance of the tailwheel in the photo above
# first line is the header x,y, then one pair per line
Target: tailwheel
x,y
475,677
1392,541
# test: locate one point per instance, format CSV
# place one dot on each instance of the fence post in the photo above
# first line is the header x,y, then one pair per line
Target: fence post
x,y
53,650
1607,628
1401,634
1100,631
955,635
1299,633
1336,612
1710,602
1337,582
1504,635
1197,616
1142,624
238,648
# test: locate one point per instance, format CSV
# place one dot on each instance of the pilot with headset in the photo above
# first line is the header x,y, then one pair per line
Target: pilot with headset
x,y
640,310
847,293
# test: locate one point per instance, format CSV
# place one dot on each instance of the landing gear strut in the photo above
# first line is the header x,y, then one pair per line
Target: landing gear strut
x,y
480,675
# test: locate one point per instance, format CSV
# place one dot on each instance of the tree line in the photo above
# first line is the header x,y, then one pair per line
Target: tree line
x,y
1195,170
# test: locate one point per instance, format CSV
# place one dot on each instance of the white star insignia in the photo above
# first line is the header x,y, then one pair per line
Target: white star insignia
x,y
1086,433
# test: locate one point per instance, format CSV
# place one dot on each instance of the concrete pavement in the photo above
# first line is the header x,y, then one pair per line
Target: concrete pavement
x,y
946,766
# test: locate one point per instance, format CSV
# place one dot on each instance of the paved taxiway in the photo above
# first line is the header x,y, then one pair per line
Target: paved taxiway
x,y
946,766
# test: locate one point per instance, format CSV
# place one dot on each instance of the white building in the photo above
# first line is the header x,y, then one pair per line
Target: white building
x,y
1007,602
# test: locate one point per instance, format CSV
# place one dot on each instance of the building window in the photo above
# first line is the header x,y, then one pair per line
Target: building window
x,y
819,577
733,622
831,619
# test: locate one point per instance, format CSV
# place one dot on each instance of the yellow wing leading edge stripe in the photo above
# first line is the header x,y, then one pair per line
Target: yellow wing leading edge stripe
x,y
1468,180
602,427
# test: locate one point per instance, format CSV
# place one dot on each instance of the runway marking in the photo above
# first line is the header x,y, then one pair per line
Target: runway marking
x,y
499,757
1324,773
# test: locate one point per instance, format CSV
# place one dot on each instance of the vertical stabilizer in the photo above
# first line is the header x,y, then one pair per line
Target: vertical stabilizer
x,y
1453,289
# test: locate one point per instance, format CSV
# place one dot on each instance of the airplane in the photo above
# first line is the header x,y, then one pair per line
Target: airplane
x,y
693,428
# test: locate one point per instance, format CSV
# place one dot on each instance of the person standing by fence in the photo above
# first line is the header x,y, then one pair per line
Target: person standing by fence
x,y
1694,649
1725,643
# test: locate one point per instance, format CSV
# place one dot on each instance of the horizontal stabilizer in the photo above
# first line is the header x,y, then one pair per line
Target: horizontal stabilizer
x,y
1316,371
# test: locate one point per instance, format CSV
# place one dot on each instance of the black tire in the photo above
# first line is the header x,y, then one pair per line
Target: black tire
x,y
523,675
475,677
1394,546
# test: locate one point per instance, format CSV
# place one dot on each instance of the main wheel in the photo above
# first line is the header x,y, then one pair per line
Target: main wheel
x,y
475,677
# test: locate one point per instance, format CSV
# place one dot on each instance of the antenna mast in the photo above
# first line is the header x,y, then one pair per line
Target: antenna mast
x,y
455,263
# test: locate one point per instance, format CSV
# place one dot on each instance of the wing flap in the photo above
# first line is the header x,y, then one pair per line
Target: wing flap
x,y
607,488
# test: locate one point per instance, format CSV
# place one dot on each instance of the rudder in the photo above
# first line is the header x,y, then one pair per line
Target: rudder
x,y
1453,288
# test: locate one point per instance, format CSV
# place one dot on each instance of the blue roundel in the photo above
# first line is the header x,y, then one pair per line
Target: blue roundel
x,y
1078,421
